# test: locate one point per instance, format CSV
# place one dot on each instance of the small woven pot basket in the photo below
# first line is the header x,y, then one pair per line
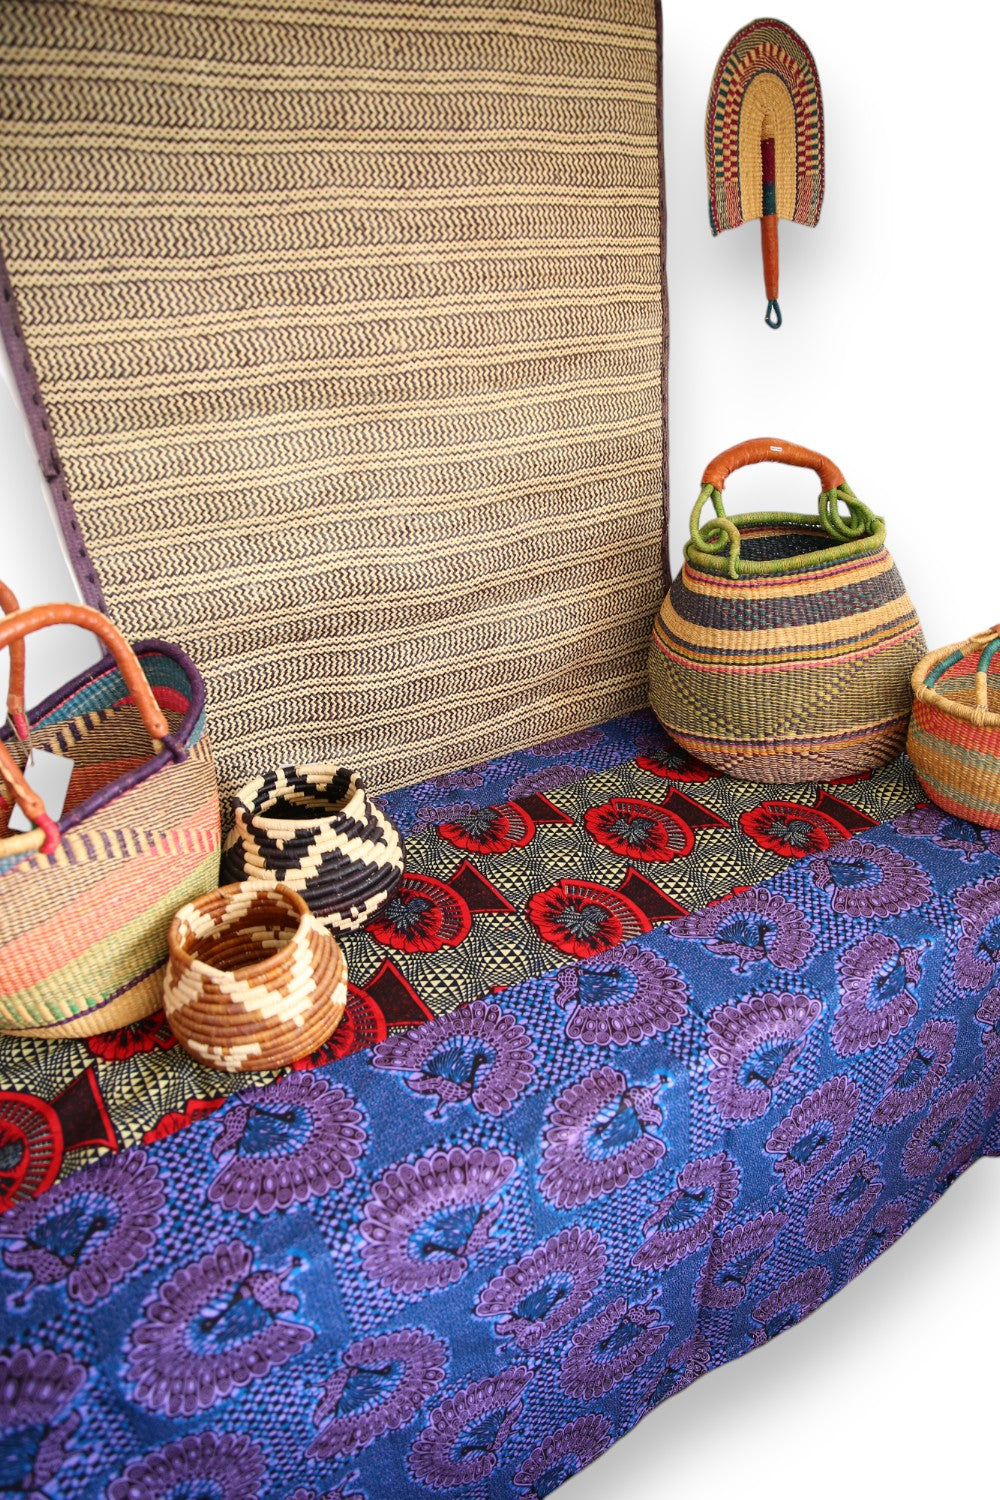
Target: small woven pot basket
x,y
954,738
315,829
254,981
784,649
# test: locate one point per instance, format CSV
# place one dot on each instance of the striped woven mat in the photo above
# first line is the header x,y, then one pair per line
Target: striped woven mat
x,y
340,330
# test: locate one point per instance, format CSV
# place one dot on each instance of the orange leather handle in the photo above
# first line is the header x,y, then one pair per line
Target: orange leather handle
x,y
771,451
769,253
24,622
15,689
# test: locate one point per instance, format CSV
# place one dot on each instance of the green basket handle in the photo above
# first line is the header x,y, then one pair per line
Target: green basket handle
x,y
721,535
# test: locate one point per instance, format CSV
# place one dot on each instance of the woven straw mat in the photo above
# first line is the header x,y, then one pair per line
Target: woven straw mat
x,y
340,330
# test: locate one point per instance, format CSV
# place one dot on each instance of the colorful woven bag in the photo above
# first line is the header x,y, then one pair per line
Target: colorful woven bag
x,y
784,649
86,898
954,738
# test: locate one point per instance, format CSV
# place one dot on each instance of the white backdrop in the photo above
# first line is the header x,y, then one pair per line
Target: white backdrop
x,y
885,362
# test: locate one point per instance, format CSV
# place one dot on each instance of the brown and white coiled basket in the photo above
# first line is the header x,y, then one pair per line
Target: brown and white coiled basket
x,y
253,980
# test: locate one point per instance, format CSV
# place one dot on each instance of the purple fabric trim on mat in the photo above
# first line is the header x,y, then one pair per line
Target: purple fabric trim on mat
x,y
664,302
45,445
104,668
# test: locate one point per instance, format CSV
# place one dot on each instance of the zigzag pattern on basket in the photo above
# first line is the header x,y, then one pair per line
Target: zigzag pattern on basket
x,y
254,981
791,663
315,829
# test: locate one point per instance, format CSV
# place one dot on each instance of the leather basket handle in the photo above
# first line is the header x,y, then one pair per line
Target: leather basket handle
x,y
721,536
24,622
771,450
15,687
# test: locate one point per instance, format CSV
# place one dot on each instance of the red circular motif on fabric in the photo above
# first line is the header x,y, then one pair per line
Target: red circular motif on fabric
x,y
490,830
790,829
581,918
31,1147
639,830
421,916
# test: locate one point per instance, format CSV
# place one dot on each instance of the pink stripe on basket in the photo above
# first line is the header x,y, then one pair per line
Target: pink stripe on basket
x,y
835,660
722,580
95,916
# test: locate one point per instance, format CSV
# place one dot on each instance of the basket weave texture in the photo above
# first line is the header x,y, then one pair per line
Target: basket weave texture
x,y
954,737
784,649
346,324
315,829
85,902
253,981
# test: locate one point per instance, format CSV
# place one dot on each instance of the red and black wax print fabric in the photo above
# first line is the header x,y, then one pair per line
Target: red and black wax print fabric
x,y
553,853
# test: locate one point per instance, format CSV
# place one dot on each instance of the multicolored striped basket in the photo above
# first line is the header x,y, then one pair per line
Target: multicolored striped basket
x,y
954,738
254,980
86,898
784,649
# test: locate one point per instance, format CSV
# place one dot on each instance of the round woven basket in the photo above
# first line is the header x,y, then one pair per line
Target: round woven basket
x,y
253,981
315,829
954,737
784,648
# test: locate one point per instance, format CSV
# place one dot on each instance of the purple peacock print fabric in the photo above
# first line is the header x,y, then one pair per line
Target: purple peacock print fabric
x,y
466,1262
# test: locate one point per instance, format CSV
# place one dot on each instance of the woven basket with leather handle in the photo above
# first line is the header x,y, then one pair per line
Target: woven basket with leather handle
x,y
86,895
784,649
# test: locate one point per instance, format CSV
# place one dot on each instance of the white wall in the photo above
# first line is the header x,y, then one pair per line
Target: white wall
x,y
886,357
32,561
885,362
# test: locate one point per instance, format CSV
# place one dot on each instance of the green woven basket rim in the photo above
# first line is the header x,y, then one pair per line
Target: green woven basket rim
x,y
718,563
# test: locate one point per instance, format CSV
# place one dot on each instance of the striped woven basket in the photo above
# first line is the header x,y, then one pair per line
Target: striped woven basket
x,y
784,649
954,738
316,829
86,896
254,981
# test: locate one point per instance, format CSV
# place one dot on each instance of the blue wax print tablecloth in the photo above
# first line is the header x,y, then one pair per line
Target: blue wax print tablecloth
x,y
465,1263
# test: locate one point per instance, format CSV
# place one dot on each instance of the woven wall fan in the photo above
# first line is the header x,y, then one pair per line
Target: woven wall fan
x,y
764,139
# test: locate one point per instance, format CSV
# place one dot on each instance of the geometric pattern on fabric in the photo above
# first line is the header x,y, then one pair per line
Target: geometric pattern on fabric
x,y
559,851
469,1261
340,329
